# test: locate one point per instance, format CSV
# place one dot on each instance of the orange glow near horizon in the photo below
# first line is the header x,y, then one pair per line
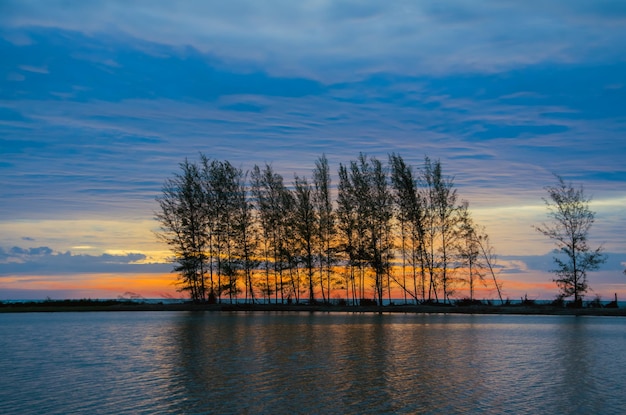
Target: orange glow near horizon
x,y
99,286
103,286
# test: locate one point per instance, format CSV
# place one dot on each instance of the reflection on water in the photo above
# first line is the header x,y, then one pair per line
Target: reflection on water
x,y
215,363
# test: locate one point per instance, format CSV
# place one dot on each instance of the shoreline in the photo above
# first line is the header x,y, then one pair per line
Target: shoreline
x,y
322,308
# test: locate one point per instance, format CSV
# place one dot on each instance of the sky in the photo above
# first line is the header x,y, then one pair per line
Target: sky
x,y
101,101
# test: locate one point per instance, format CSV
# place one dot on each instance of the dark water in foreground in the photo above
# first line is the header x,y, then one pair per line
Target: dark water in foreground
x,y
217,363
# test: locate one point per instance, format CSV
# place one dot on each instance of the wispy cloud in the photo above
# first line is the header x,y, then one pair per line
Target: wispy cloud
x,y
341,39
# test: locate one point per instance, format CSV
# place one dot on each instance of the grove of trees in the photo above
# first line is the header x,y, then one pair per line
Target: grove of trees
x,y
386,230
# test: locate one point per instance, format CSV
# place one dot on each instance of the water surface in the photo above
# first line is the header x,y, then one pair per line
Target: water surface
x,y
219,363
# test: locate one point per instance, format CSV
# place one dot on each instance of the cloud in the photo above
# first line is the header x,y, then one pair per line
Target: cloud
x,y
545,263
109,154
330,40
45,261
34,69
490,145
42,250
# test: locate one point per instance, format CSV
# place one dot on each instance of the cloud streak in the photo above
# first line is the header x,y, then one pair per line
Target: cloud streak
x,y
330,40
45,261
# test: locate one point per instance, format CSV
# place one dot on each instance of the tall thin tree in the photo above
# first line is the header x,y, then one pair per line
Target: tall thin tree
x,y
347,224
568,207
245,235
184,223
325,224
468,249
275,204
411,217
305,220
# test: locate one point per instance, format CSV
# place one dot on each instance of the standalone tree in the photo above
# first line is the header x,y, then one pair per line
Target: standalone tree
x,y
568,208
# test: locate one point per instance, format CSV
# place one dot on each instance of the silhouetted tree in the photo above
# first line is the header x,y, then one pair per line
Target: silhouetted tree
x,y
236,227
267,221
446,212
275,204
304,224
346,223
572,218
222,184
289,257
184,227
364,213
488,257
430,228
410,212
468,249
325,224
245,234
381,238
211,208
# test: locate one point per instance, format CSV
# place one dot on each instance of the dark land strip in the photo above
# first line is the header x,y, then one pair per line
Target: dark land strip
x,y
115,305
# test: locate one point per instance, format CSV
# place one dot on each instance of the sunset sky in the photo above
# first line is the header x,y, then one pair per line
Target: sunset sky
x,y
101,100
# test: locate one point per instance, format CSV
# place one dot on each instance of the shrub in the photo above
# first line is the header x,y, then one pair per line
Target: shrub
x,y
558,301
464,302
527,301
366,302
595,303
575,304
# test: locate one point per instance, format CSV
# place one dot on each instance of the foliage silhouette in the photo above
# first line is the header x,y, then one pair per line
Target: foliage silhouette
x,y
233,232
568,208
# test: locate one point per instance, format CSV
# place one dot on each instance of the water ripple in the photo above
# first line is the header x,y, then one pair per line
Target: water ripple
x,y
245,363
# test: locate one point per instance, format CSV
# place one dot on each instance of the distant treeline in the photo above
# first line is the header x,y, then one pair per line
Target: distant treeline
x,y
246,234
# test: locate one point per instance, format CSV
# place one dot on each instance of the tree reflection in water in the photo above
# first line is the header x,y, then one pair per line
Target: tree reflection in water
x,y
369,363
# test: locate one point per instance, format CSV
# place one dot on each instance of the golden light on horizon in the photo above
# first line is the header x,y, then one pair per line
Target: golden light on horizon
x,y
97,285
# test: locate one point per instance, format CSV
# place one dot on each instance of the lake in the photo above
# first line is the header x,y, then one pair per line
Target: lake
x,y
326,363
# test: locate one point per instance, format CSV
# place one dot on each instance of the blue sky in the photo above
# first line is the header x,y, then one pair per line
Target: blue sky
x,y
100,101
